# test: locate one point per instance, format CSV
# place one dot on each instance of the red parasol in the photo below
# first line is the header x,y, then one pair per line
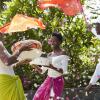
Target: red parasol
x,y
22,23
69,7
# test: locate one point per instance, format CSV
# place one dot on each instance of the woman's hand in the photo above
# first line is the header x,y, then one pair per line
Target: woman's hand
x,y
88,87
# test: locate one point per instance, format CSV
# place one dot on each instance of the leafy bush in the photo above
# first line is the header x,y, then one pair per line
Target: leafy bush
x,y
81,46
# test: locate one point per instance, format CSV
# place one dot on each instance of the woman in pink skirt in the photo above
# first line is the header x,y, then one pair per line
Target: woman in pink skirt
x,y
52,87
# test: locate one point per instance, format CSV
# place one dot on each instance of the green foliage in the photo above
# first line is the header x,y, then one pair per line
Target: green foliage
x,y
80,45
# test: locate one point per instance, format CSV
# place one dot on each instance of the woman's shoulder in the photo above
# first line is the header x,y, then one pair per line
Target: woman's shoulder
x,y
49,54
64,52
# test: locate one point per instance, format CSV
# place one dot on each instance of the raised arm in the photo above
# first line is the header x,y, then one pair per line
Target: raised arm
x,y
13,58
4,54
7,58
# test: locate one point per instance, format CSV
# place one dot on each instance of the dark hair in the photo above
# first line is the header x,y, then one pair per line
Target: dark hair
x,y
58,35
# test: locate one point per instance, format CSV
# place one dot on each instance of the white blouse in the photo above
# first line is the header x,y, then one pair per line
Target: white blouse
x,y
60,61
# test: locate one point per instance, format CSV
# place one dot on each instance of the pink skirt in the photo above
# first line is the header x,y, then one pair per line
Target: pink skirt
x,y
43,92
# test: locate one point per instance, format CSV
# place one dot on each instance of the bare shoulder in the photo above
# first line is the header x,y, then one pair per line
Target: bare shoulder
x,y
64,52
49,54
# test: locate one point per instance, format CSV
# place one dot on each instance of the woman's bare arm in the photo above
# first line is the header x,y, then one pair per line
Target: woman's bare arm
x,y
11,59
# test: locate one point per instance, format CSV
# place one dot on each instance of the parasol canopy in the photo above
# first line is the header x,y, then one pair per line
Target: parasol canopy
x,y
69,7
22,23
